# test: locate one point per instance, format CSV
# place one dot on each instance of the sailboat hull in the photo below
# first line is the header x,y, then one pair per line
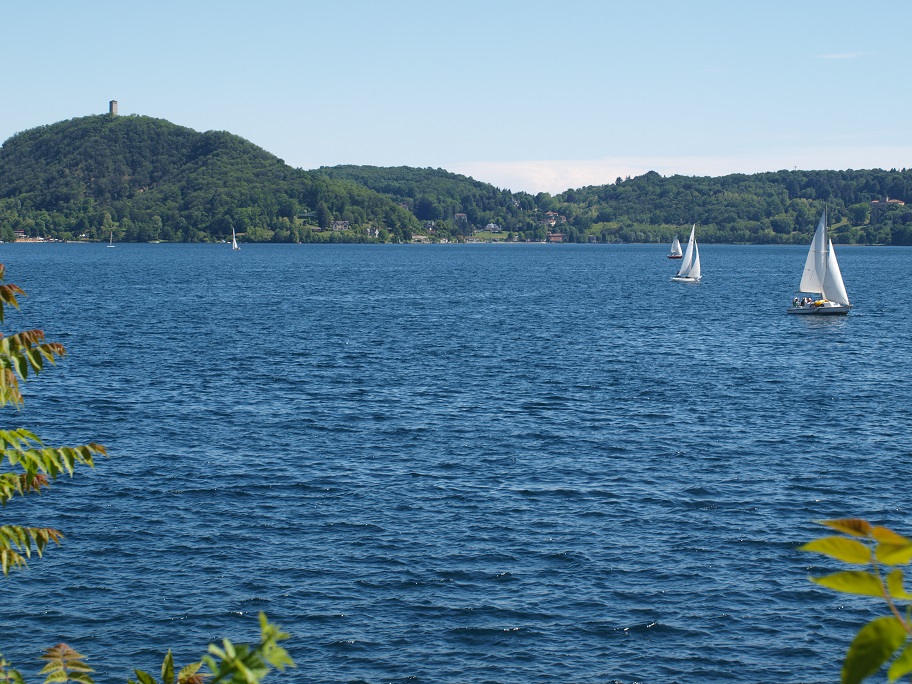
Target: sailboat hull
x,y
675,256
825,309
685,279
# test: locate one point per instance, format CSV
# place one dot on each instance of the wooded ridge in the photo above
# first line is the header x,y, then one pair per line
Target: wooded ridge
x,y
146,179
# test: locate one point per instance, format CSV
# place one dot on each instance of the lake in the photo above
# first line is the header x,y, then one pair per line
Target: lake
x,y
473,463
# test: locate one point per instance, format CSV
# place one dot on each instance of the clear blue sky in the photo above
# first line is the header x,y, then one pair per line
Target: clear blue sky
x,y
526,95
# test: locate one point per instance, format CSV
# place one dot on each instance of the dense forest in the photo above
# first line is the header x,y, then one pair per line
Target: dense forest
x,y
147,179
144,179
778,207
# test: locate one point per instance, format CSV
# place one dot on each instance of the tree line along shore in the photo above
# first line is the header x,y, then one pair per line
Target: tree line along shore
x,y
140,179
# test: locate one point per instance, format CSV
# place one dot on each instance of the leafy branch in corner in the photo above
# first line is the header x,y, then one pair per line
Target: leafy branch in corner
x,y
26,465
880,550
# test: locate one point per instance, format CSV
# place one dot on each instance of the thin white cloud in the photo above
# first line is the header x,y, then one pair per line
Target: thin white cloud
x,y
843,55
555,176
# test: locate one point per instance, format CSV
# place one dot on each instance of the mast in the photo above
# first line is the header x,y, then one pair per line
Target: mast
x,y
826,254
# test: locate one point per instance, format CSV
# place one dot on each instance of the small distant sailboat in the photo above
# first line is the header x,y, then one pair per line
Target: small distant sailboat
x,y
675,252
690,262
111,242
821,277
234,244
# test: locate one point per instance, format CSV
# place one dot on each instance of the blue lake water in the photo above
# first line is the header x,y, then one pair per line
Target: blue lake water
x,y
479,463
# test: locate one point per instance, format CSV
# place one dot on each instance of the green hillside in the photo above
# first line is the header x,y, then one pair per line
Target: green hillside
x,y
143,179
148,179
439,196
778,207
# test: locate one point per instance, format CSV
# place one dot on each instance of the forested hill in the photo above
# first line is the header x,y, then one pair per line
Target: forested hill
x,y
776,207
142,179
148,179
867,206
436,194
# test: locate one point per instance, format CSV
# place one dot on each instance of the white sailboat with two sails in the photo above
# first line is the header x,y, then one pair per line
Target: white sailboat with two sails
x,y
690,262
822,278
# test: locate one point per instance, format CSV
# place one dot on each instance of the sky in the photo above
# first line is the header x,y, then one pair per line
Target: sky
x,y
526,95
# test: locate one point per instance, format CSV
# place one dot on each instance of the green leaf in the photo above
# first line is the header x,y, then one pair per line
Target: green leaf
x,y
144,677
840,548
190,669
902,665
10,559
35,359
82,678
888,536
855,527
893,554
168,669
872,647
852,582
278,657
20,364
896,587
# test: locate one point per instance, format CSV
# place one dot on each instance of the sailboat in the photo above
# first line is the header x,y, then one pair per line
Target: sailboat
x,y
821,277
690,263
234,244
111,243
675,252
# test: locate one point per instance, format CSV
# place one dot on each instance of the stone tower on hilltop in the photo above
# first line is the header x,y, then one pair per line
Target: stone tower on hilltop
x,y
112,108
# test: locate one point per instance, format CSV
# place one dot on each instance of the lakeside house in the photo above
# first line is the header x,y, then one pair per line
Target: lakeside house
x,y
887,202
879,206
552,218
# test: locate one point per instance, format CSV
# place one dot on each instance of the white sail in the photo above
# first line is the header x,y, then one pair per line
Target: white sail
x,y
821,270
695,268
676,247
815,265
687,261
833,286
234,244
690,264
